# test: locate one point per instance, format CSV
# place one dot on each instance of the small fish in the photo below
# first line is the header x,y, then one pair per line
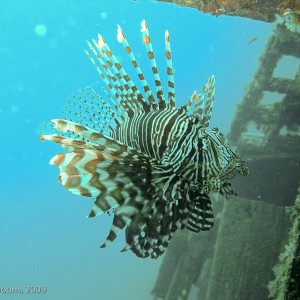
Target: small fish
x,y
142,158
252,40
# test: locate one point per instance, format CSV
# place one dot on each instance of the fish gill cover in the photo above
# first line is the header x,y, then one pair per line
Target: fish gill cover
x,y
150,163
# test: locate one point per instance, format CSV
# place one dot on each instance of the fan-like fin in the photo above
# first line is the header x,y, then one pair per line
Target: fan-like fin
x,y
86,107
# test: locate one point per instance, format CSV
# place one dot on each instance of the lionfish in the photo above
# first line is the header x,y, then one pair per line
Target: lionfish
x,y
150,163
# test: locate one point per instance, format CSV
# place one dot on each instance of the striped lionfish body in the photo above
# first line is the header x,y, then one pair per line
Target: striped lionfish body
x,y
149,162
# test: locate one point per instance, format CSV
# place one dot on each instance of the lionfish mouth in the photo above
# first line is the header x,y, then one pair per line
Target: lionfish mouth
x,y
132,150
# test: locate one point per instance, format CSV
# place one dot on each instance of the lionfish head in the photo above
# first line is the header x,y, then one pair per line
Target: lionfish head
x,y
221,160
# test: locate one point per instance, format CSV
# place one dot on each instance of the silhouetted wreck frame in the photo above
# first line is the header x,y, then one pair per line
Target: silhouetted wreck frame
x,y
260,228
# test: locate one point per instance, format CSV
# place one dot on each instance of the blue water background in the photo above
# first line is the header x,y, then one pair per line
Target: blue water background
x,y
45,236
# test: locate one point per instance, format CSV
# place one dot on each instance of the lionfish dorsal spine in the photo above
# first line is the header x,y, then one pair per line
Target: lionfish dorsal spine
x,y
110,90
154,68
199,108
110,70
209,90
131,98
103,75
122,39
193,98
117,91
170,72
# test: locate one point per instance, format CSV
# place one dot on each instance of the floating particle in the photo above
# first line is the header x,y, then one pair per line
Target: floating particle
x,y
14,109
54,43
71,21
40,30
103,15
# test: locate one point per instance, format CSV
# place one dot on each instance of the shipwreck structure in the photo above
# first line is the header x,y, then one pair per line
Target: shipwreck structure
x,y
264,10
253,250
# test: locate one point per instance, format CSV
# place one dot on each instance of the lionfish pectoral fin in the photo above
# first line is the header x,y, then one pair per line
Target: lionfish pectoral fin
x,y
119,180
119,223
130,191
200,214
150,230
152,238
83,172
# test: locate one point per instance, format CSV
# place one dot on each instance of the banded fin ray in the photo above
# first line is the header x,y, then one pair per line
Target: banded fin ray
x,y
154,68
131,97
122,89
209,90
113,177
122,39
170,72
203,105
